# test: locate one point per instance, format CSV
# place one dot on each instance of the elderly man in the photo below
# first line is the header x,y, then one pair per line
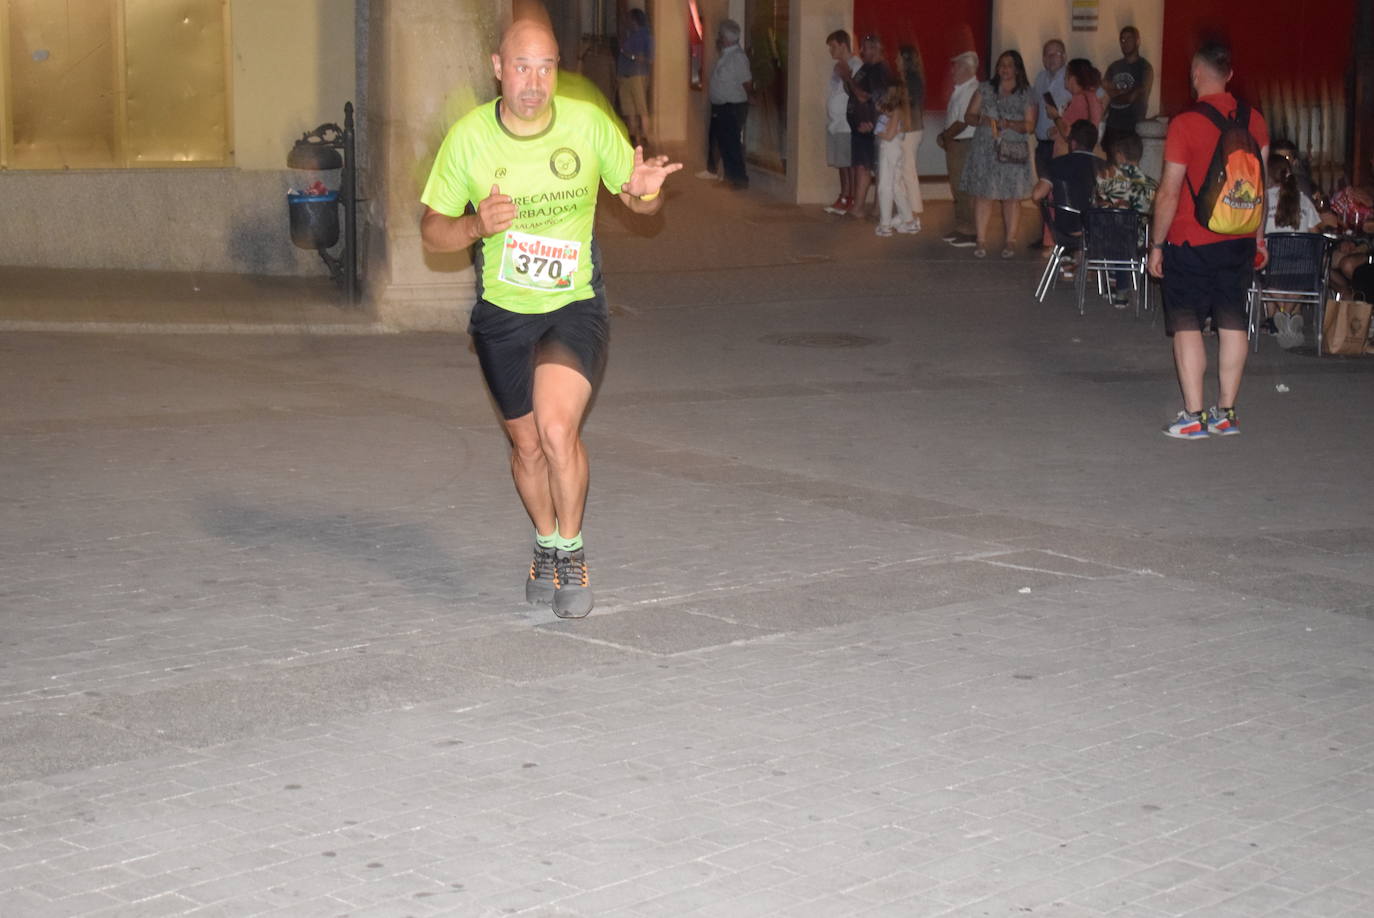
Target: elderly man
x,y
539,325
729,90
1049,80
955,140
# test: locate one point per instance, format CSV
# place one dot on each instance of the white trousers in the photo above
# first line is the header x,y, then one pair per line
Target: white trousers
x,y
891,189
910,141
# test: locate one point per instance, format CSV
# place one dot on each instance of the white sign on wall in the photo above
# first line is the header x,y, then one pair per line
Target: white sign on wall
x,y
1083,15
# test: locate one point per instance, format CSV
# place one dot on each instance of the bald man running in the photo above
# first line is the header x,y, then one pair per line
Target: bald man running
x,y
529,165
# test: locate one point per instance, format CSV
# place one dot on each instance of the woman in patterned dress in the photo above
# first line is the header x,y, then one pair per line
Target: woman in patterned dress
x,y
1002,114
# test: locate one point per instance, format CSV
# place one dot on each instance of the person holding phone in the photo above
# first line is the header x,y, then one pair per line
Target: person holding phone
x,y
1081,79
1048,89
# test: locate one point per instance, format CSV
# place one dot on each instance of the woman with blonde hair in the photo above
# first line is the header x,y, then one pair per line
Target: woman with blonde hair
x,y
890,130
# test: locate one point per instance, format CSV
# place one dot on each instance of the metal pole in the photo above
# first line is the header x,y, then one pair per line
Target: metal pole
x,y
350,190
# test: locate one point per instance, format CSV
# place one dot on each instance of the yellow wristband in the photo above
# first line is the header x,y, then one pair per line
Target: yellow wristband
x,y
648,197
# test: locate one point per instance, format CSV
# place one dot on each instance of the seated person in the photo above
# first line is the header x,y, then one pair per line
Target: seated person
x,y
1288,210
1353,207
1070,180
1288,151
1352,269
1123,186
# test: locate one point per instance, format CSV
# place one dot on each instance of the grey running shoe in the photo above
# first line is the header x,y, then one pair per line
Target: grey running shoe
x,y
572,595
539,586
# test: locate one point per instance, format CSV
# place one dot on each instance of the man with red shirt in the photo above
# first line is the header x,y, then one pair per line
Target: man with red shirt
x,y
1205,275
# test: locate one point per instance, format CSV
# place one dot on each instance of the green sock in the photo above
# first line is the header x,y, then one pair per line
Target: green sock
x,y
566,544
546,541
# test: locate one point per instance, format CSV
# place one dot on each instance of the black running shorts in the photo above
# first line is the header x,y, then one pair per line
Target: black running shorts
x,y
1207,281
510,344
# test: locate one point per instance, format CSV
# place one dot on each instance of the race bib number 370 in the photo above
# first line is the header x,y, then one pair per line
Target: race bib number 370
x,y
538,262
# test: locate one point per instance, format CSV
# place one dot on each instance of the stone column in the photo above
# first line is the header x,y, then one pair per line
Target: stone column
x,y
809,179
429,62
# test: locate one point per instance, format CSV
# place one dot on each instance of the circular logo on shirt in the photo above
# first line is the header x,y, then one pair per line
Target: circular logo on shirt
x,y
565,163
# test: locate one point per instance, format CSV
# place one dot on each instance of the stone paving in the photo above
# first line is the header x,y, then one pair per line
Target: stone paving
x,y
932,623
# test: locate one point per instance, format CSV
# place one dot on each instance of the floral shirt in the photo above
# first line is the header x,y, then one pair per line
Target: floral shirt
x,y
1126,187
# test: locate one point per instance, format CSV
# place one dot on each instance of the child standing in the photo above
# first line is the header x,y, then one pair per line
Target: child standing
x,y
890,128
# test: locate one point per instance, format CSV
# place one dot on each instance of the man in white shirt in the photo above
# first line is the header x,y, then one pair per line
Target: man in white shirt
x,y
1050,80
837,136
955,140
729,89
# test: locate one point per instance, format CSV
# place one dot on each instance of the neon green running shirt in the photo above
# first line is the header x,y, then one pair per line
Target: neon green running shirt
x,y
544,260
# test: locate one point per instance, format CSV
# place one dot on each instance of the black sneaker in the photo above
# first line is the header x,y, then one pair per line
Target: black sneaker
x,y
539,586
572,594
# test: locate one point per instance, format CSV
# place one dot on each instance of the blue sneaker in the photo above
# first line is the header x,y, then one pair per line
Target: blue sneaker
x,y
1222,422
1188,426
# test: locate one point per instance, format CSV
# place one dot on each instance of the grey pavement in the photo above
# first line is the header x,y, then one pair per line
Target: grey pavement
x,y
905,608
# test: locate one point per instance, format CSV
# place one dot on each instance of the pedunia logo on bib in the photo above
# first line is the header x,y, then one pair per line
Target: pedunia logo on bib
x,y
539,247
539,262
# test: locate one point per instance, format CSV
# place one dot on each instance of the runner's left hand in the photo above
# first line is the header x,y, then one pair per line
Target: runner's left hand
x,y
648,174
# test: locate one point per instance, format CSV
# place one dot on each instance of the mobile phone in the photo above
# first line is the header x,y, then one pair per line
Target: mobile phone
x,y
1049,100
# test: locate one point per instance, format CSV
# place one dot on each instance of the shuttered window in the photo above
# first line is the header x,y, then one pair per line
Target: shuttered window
x,y
110,84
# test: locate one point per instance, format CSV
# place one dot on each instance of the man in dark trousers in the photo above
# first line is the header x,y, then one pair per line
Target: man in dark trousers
x,y
865,87
731,83
1127,84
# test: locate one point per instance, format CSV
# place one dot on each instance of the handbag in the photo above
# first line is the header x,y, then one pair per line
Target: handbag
x,y
1345,327
1015,150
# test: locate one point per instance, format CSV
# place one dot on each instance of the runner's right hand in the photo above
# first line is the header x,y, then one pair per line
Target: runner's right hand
x,y
495,213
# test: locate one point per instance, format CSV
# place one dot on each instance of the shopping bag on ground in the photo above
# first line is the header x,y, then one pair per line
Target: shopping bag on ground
x,y
1345,327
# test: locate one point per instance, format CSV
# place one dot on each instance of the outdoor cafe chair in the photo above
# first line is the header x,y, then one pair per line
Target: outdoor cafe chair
x,y
1296,274
1115,240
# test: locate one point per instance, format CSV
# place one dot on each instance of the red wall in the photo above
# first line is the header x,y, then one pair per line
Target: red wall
x,y
1304,42
939,28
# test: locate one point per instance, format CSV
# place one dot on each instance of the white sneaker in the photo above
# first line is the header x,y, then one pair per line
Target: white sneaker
x,y
911,227
883,230
1289,325
709,175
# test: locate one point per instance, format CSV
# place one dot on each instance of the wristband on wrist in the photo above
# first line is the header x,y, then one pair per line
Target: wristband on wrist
x,y
648,197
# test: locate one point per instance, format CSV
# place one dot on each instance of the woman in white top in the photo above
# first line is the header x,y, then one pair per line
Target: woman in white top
x,y
1289,210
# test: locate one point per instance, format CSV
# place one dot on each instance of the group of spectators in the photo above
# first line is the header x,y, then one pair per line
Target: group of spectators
x,y
874,124
994,131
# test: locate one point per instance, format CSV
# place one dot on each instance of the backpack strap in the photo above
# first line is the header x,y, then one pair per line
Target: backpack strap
x,y
1221,122
1209,111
